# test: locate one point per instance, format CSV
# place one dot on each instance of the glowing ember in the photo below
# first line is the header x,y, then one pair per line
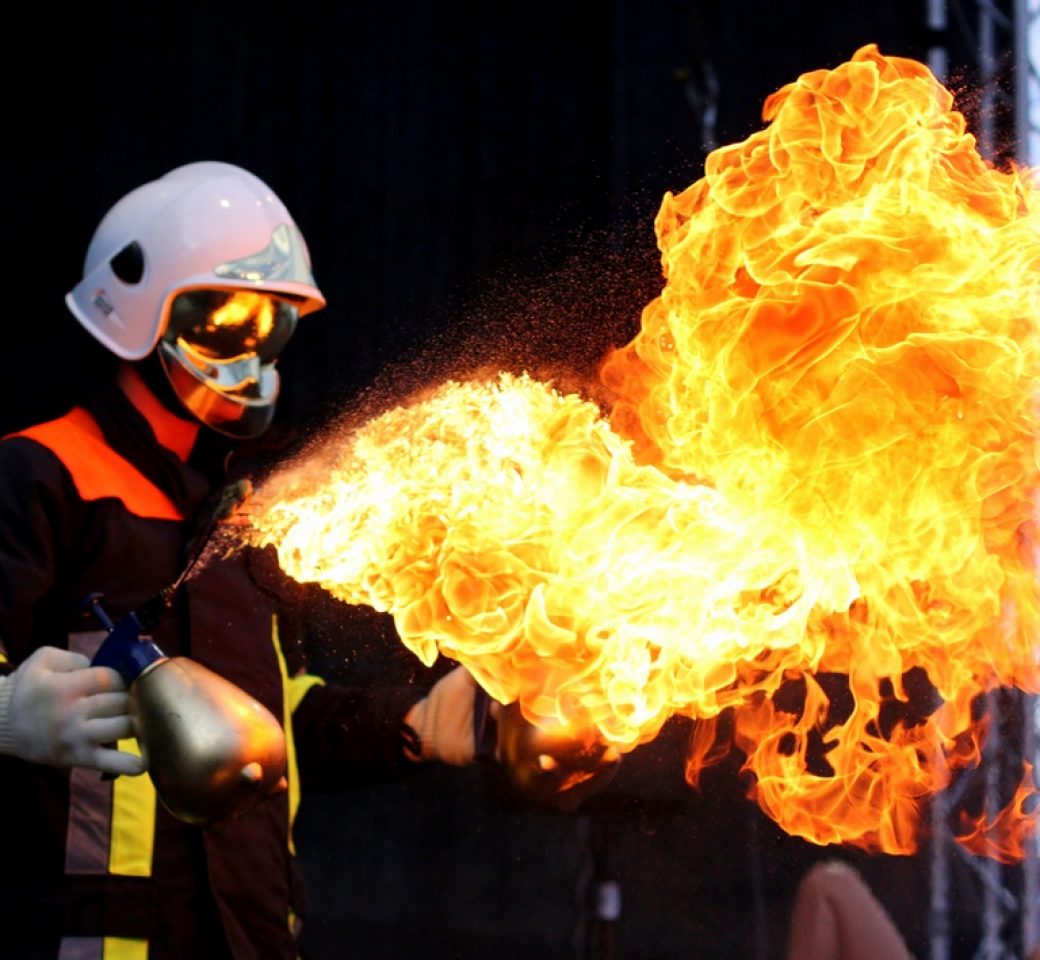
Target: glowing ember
x,y
821,460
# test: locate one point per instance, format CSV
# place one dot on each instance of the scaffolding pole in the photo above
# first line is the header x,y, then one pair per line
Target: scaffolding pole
x,y
1027,81
994,34
1027,128
1031,866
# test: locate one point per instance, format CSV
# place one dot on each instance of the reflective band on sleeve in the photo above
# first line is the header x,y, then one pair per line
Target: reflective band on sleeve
x,y
124,948
103,948
298,687
89,832
81,948
133,822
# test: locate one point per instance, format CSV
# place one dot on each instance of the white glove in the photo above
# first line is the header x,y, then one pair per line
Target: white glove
x,y
58,710
443,720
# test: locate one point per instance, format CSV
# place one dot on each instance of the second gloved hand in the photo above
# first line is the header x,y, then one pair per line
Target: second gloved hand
x,y
57,710
458,723
558,767
441,724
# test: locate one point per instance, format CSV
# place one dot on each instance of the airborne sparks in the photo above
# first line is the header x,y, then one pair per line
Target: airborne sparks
x,y
821,459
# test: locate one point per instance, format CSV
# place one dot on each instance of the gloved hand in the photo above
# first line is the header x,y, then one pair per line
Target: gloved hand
x,y
442,722
57,710
458,723
552,766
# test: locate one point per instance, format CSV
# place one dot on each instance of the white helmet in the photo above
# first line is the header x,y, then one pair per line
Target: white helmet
x,y
207,263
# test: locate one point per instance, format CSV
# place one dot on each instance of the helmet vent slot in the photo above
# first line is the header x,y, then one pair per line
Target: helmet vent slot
x,y
128,264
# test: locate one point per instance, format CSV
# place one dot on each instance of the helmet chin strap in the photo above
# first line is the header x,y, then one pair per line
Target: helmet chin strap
x,y
211,449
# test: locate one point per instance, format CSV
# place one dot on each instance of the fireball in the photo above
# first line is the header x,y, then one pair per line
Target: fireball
x,y
819,459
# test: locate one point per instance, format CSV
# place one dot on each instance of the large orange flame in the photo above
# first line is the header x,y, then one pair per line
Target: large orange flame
x,y
821,462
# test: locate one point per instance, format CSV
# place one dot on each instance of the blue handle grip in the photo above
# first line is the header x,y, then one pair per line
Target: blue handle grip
x,y
123,649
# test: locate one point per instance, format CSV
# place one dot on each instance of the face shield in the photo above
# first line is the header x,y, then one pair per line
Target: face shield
x,y
219,348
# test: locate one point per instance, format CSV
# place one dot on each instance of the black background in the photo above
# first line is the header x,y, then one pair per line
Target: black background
x,y
477,183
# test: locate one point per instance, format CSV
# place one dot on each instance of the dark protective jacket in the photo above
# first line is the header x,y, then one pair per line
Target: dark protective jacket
x,y
94,503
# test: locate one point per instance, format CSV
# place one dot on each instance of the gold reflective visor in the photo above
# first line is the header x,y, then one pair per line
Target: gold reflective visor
x,y
228,324
219,350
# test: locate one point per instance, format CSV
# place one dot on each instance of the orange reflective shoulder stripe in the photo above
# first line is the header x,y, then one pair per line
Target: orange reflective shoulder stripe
x,y
97,470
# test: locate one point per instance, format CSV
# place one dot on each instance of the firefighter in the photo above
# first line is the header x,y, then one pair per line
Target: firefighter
x,y
192,285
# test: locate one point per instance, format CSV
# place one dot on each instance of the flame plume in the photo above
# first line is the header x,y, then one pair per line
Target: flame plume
x,y
821,460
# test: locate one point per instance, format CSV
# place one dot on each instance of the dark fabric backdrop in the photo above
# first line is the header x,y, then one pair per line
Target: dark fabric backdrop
x,y
477,183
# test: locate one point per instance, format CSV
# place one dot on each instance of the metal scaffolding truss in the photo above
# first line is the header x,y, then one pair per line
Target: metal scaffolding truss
x,y
997,43
1000,922
1027,88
